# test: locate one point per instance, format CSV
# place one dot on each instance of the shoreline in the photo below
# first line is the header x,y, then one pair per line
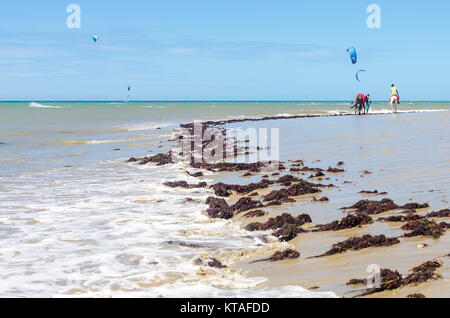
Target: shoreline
x,y
232,196
190,125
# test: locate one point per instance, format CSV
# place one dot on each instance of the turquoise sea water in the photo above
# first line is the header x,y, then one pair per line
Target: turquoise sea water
x,y
47,131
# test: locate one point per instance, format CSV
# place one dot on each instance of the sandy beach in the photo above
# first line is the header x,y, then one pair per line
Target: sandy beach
x,y
145,230
406,161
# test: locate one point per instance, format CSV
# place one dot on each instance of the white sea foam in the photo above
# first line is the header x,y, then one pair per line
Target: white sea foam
x,y
406,111
154,106
37,105
144,126
113,230
285,115
73,142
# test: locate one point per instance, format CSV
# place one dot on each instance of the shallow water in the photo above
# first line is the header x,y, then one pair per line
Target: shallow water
x,y
76,220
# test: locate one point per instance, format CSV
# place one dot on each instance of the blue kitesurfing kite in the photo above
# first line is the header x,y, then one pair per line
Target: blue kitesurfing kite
x,y
357,74
353,56
95,38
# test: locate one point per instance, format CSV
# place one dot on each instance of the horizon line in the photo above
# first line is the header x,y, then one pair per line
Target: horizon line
x,y
197,101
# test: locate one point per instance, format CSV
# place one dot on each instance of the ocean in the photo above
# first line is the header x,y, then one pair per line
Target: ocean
x,y
76,220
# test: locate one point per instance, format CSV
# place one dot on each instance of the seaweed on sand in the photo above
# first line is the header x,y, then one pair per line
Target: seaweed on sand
x,y
195,174
423,272
160,159
287,178
184,184
359,243
281,256
335,170
424,227
356,281
288,232
389,280
230,167
219,208
210,262
373,192
393,279
285,226
221,189
416,296
373,207
401,218
298,189
415,206
385,205
255,213
245,204
323,199
439,214
348,222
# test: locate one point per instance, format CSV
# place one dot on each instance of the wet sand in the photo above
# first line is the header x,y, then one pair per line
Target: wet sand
x,y
407,156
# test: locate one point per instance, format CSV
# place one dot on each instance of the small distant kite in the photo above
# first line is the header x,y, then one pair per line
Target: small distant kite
x,y
128,92
95,38
357,74
353,56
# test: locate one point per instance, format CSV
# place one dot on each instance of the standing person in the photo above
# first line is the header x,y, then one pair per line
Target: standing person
x,y
395,98
368,102
361,101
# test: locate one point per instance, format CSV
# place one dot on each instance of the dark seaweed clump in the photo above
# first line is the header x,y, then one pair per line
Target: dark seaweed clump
x,y
160,159
423,272
356,281
230,167
255,213
385,205
440,214
210,262
218,208
373,192
348,222
393,279
416,296
415,206
287,178
401,218
285,226
389,280
281,256
424,227
359,243
322,199
222,189
196,174
184,184
284,195
335,170
373,207
245,204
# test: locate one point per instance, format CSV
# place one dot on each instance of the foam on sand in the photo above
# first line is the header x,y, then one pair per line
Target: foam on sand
x,y
120,233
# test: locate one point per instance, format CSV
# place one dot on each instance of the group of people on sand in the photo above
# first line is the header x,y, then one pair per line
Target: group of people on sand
x,y
362,102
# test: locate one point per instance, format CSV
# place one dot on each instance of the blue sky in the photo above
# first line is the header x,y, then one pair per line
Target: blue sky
x,y
222,50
